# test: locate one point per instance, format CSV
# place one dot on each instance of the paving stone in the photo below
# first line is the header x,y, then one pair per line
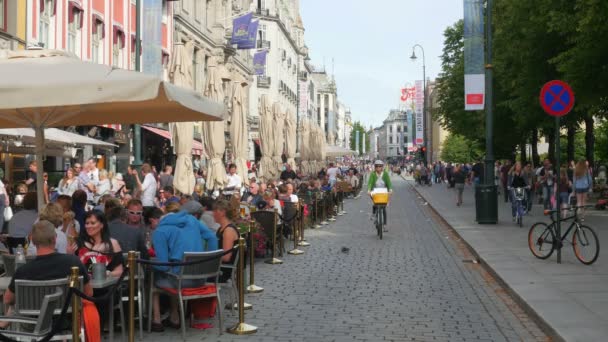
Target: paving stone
x,y
410,286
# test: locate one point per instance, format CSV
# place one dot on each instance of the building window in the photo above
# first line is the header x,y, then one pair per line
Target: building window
x,y
390,140
44,22
398,129
96,43
74,29
118,45
397,140
390,129
262,32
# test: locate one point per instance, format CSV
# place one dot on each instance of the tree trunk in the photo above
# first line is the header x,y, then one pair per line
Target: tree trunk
x,y
551,140
534,144
571,134
589,139
523,154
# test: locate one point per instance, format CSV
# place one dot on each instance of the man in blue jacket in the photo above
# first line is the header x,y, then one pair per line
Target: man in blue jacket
x,y
176,234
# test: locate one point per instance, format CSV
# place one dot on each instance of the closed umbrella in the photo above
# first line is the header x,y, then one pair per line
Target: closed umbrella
x,y
278,136
180,73
304,142
266,141
238,130
213,131
51,88
290,139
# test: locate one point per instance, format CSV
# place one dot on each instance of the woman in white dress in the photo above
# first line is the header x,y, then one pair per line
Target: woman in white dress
x,y
104,186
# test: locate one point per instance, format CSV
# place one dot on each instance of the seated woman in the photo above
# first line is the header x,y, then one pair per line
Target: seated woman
x,y
227,234
94,245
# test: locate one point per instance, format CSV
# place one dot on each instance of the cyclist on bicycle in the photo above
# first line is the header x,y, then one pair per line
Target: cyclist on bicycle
x,y
379,178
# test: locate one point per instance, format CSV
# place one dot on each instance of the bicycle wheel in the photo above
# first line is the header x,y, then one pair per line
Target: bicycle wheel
x,y
586,245
541,240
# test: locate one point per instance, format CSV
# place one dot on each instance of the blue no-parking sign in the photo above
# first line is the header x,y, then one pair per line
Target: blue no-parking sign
x,y
557,98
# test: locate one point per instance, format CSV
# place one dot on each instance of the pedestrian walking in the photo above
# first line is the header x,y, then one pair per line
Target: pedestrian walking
x,y
459,178
582,185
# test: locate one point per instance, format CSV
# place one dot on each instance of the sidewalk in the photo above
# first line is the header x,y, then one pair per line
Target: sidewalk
x,y
571,298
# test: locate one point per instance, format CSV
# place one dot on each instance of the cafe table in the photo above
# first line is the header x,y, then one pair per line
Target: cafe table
x,y
98,284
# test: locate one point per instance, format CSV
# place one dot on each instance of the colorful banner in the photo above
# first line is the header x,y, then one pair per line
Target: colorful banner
x,y
419,103
259,63
152,53
251,36
240,29
474,59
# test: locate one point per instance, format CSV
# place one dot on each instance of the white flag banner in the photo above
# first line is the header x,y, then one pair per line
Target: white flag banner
x,y
474,79
419,103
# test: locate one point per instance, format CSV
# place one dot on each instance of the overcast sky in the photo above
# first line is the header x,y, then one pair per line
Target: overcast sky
x,y
371,42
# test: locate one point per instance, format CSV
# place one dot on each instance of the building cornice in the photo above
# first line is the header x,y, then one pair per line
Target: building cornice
x,y
277,19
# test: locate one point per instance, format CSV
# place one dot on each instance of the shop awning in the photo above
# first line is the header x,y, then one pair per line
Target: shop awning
x,y
197,146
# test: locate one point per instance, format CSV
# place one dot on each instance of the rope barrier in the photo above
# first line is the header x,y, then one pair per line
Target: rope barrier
x,y
184,263
106,296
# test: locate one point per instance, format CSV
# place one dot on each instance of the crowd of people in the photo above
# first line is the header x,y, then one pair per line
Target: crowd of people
x,y
93,216
545,184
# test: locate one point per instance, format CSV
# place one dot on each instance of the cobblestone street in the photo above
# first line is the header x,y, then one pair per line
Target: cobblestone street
x,y
417,284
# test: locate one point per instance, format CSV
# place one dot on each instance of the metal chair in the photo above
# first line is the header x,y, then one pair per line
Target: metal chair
x,y
30,294
268,222
208,268
233,286
9,263
43,324
139,278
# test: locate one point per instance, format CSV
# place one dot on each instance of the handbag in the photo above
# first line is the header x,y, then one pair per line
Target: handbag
x,y
8,213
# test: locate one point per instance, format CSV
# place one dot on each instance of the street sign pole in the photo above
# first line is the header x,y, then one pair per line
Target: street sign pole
x,y
489,162
557,197
557,99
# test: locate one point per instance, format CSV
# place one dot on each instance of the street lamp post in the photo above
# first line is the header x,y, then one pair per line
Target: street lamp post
x,y
424,123
137,128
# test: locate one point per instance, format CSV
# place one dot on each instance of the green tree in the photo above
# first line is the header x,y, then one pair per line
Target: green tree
x,y
458,149
358,127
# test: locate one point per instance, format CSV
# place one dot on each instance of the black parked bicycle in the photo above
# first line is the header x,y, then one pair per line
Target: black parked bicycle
x,y
542,238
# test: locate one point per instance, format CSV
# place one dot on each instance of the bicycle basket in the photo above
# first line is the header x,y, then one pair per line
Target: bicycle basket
x,y
519,194
380,198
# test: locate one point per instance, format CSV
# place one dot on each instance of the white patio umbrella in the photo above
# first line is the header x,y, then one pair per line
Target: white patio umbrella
x,y
50,88
290,139
213,132
278,136
314,148
266,134
180,74
238,130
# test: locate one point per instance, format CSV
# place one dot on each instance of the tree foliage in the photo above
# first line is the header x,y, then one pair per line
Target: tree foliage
x,y
534,42
458,149
358,127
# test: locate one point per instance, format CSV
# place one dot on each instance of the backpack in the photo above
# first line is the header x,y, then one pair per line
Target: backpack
x,y
582,183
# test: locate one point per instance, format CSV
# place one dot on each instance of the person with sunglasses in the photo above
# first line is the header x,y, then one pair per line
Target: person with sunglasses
x,y
135,212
